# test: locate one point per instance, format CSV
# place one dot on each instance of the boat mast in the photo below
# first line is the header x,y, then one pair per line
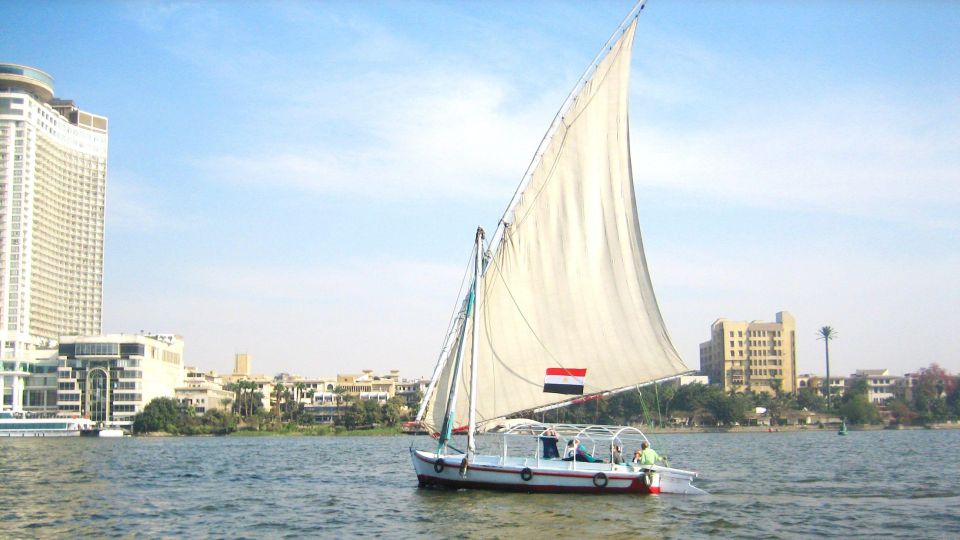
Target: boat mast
x,y
447,430
457,320
477,287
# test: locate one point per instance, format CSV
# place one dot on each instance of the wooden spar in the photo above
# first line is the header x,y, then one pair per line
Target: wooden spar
x,y
448,419
477,287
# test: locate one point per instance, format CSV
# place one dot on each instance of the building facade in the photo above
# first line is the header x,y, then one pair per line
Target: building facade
x,y
113,377
752,356
53,167
203,391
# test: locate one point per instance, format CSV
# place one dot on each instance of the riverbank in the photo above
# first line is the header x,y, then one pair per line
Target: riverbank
x,y
760,429
303,431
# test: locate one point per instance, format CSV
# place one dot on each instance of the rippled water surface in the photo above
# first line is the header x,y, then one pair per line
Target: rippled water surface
x,y
899,484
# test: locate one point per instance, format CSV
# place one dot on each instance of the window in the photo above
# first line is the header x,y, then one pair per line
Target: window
x,y
97,349
131,349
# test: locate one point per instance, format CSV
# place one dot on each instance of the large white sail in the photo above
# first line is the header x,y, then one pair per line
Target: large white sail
x,y
568,286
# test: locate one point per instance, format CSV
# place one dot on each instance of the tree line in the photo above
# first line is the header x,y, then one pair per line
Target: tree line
x,y
287,412
934,398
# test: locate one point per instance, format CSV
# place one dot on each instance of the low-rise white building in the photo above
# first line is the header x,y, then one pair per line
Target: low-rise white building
x,y
110,378
881,385
203,391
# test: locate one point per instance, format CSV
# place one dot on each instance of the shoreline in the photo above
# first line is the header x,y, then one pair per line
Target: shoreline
x,y
785,429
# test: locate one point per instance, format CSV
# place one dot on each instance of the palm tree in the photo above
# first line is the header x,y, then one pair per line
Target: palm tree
x,y
299,391
279,393
826,334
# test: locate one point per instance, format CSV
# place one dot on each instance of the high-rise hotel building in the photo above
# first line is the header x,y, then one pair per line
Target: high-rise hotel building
x,y
53,169
756,356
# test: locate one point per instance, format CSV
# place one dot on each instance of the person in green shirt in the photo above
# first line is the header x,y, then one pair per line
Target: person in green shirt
x,y
646,455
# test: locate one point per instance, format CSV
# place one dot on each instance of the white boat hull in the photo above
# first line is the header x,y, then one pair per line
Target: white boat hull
x,y
40,433
21,426
547,476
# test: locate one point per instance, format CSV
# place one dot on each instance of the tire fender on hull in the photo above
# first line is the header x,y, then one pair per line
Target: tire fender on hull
x,y
600,480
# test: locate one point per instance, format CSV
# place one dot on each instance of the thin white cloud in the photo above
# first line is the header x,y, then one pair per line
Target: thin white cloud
x,y
418,135
313,320
856,155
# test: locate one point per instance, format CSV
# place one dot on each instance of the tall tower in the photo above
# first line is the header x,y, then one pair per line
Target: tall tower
x,y
241,364
53,170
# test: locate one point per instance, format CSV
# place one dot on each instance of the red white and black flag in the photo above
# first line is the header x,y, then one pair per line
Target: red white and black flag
x,y
564,380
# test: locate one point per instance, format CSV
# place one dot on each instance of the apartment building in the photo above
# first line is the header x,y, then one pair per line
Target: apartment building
x,y
753,356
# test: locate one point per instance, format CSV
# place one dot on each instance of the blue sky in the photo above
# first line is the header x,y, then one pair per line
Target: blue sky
x,y
301,181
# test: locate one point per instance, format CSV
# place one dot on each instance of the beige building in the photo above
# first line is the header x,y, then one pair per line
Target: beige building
x,y
203,391
369,386
838,385
241,364
756,356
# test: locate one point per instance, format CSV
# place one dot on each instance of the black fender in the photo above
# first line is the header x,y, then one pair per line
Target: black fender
x,y
600,480
526,474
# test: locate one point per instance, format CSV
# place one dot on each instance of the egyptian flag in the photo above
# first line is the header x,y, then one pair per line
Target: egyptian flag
x,y
564,380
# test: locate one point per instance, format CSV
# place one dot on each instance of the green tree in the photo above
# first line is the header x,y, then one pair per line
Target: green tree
x,y
279,392
807,398
827,333
953,398
161,414
394,411
857,409
901,411
930,394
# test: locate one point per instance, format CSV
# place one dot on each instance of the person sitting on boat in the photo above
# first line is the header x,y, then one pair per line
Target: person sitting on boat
x,y
571,450
583,455
549,440
646,455
617,455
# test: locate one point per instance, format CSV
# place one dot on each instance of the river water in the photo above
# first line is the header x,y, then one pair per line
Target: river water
x,y
899,484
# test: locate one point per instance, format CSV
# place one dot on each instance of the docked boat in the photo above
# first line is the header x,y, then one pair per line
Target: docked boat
x,y
21,425
559,310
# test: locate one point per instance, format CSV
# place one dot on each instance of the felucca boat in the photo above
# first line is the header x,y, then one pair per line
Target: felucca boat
x,y
560,309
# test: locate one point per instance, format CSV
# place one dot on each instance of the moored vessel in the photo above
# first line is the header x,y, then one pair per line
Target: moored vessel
x,y
21,425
